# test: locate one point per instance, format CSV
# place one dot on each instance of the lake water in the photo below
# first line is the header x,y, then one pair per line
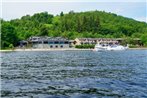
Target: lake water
x,y
75,74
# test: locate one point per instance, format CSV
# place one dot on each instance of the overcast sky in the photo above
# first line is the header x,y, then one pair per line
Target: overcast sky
x,y
15,9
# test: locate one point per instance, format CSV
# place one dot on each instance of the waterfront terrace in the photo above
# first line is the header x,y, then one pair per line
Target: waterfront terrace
x,y
48,42
81,41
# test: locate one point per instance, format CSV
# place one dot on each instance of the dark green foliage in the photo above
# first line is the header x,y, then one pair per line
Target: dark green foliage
x,y
61,14
80,22
133,46
144,39
11,46
8,35
92,24
43,31
84,46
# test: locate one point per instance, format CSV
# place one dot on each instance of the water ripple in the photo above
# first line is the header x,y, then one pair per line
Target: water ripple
x,y
75,74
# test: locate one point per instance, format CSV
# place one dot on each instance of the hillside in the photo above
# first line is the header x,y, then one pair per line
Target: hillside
x,y
72,25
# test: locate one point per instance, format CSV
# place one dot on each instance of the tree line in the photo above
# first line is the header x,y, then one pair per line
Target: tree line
x,y
93,24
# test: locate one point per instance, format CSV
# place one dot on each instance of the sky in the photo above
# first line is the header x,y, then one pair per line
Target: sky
x,y
12,9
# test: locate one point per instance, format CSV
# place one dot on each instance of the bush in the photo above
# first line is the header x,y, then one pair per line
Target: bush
x,y
144,39
11,46
85,46
133,46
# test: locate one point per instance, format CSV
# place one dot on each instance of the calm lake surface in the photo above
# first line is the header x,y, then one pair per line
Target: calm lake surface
x,y
75,74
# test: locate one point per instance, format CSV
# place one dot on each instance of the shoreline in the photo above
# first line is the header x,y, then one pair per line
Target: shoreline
x,y
137,49
65,49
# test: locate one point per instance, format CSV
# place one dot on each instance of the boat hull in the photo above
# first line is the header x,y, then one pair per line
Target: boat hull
x,y
116,48
110,48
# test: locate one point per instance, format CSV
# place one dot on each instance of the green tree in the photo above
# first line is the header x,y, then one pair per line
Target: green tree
x,y
8,35
72,25
144,39
61,14
43,31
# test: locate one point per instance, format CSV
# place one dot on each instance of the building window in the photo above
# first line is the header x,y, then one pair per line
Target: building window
x,y
56,42
66,42
40,42
45,42
61,46
56,46
51,46
51,42
61,42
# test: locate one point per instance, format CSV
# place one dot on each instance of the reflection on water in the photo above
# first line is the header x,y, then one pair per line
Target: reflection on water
x,y
75,74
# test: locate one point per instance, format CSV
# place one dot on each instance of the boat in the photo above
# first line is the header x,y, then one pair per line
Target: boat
x,y
117,47
100,47
109,47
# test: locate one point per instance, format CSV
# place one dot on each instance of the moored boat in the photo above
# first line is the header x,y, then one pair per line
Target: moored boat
x,y
117,47
109,47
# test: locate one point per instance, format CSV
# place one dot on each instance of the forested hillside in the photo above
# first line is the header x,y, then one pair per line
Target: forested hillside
x,y
84,24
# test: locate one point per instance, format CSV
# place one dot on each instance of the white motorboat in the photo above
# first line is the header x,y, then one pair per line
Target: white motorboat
x,y
102,47
117,47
